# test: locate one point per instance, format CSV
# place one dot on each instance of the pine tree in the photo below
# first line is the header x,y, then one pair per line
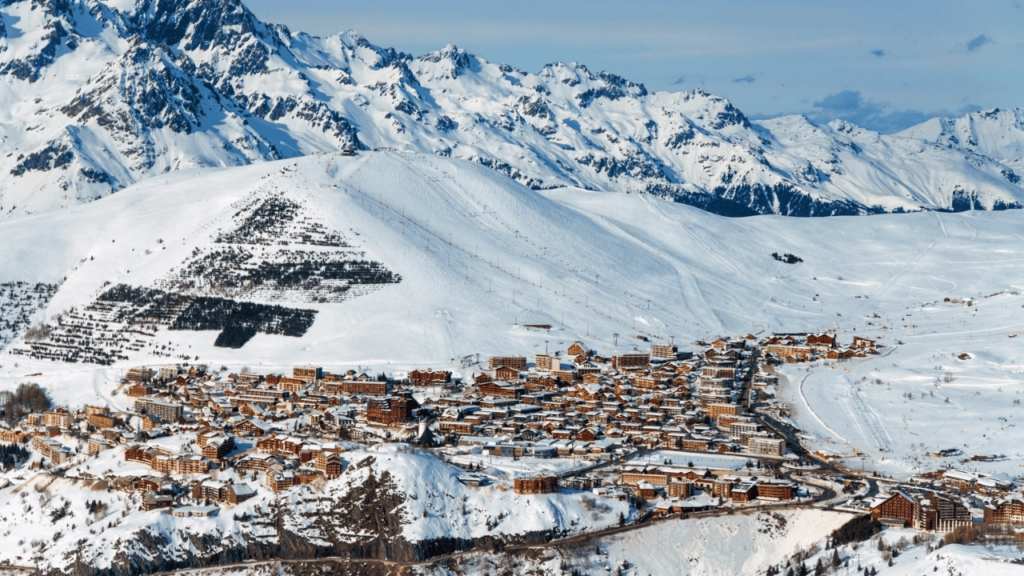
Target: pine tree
x,y
835,558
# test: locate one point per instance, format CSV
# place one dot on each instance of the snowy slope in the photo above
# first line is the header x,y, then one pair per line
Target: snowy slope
x,y
100,94
478,257
993,133
426,504
716,546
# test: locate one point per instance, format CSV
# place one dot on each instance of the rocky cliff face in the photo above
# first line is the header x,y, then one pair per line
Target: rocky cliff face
x,y
105,93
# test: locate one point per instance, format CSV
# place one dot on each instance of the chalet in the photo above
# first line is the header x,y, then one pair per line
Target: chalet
x,y
961,481
743,492
194,511
60,418
52,450
775,490
679,489
821,340
357,388
767,446
459,427
139,374
631,360
501,390
512,362
252,427
863,343
154,501
12,436
790,352
506,374
646,490
696,445
330,463
840,354
1009,511
391,410
664,351
429,377
307,374
536,485
545,363
717,354
578,349
279,480
716,410
217,448
291,384
931,512
635,475
138,391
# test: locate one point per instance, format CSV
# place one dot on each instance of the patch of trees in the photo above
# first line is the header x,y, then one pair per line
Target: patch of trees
x,y
11,455
307,274
26,399
235,270
787,258
275,220
239,322
19,301
264,224
859,529
147,305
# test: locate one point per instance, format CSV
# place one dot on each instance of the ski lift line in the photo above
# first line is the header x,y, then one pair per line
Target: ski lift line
x,y
452,244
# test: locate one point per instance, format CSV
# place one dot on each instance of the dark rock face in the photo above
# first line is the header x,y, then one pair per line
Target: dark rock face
x,y
32,67
54,155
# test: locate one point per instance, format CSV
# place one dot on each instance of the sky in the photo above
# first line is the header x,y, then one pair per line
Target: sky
x,y
885,65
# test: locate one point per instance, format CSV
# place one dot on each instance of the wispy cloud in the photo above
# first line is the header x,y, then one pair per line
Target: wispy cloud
x,y
977,43
850,105
748,79
879,52
841,102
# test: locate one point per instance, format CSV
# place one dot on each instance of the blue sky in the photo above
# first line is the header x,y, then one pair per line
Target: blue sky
x,y
883,65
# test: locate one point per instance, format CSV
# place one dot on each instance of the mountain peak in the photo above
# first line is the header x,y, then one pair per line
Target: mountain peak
x,y
170,84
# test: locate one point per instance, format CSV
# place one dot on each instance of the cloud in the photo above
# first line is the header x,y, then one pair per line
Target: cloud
x,y
844,101
977,43
749,79
879,52
852,106
679,81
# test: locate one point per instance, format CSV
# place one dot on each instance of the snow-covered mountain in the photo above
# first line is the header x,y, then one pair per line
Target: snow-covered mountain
x,y
99,94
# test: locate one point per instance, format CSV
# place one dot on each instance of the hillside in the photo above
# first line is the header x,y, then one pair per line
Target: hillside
x,y
317,253
64,522
101,94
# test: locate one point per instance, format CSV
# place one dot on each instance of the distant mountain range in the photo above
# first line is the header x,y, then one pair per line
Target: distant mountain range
x,y
100,94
